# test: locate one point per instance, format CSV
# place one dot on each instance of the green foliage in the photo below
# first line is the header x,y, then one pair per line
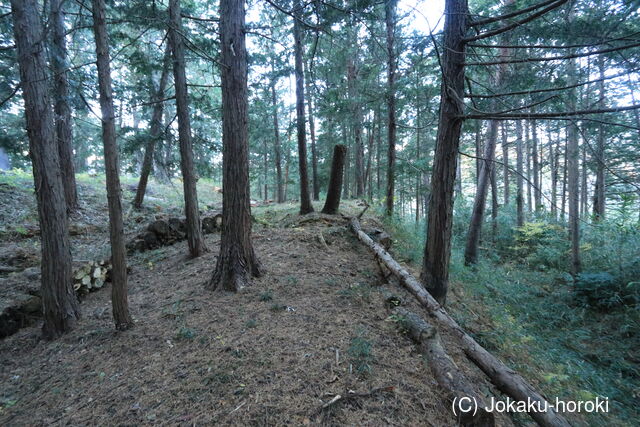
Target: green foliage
x,y
361,353
185,333
541,245
266,295
602,291
360,292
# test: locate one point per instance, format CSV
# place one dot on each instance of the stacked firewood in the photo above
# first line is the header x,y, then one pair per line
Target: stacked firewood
x,y
91,276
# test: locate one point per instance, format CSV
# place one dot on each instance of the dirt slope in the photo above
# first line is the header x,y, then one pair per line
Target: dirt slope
x,y
313,327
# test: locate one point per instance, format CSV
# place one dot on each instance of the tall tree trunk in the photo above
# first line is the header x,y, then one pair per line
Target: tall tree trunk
x,y
332,202
537,191
62,110
478,146
486,174
505,162
59,304
554,154
527,139
156,129
584,193
314,151
120,305
563,209
277,147
419,173
458,190
346,191
520,176
305,201
477,215
573,170
378,151
494,205
194,229
356,117
599,192
390,23
437,251
237,259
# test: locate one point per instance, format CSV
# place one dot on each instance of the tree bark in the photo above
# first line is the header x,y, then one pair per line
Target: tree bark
x,y
508,381
537,193
59,304
477,214
119,301
277,147
62,110
520,176
505,162
390,24
194,229
573,168
332,202
527,153
237,260
452,380
437,251
599,192
554,154
314,153
305,200
155,131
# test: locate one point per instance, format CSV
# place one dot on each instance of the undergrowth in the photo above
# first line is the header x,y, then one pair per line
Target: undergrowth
x,y
575,339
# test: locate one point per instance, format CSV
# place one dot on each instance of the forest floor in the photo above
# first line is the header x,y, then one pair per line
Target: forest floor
x,y
313,327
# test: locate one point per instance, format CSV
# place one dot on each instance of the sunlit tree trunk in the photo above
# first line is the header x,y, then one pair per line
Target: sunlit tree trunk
x,y
435,267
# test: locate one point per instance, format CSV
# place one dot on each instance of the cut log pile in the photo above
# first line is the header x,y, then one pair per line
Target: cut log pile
x,y
507,380
167,231
90,277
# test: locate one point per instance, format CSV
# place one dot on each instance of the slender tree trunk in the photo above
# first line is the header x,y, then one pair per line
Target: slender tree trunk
x,y
437,251
584,193
519,177
237,259
332,202
477,215
478,146
494,205
305,201
62,110
59,304
599,192
378,151
155,131
505,162
563,209
277,147
390,22
419,173
554,156
120,305
573,170
527,145
194,229
537,193
314,152
346,191
486,176
458,191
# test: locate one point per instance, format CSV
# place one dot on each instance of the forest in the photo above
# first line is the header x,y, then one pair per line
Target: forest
x,y
320,212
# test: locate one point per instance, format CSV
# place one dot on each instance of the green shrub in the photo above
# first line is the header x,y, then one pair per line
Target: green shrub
x,y
602,291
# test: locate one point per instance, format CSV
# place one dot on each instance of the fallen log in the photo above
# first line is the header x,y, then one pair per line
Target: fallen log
x,y
459,390
507,380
